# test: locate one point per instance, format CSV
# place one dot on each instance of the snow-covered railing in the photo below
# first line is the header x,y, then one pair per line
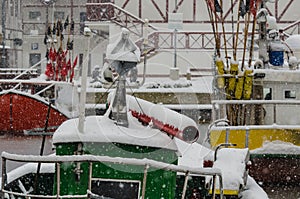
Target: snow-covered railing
x,y
147,163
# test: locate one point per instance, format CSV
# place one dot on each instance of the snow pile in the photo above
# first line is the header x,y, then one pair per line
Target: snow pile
x,y
277,147
253,190
232,163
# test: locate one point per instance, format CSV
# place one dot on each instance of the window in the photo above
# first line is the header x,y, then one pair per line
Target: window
x,y
34,58
34,14
290,94
267,93
82,20
82,16
113,188
59,15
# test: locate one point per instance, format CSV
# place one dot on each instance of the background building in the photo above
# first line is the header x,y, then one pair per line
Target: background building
x,y
26,21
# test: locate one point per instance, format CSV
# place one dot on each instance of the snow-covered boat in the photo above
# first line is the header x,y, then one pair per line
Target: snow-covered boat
x,y
33,103
257,100
38,107
136,150
20,111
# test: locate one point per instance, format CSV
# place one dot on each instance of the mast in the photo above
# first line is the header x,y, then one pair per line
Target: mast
x,y
119,106
123,55
87,33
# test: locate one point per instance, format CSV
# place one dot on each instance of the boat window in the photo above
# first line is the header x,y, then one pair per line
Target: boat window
x,y
267,93
114,188
290,94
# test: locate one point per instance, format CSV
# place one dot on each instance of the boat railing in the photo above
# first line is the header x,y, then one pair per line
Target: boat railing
x,y
270,111
147,163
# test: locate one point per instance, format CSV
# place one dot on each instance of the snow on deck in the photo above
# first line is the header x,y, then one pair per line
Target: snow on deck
x,y
277,147
102,129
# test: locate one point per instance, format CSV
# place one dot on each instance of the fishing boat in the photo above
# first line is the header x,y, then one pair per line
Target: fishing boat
x,y
137,149
33,103
256,101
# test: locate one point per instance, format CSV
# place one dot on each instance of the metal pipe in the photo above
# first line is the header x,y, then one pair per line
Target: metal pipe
x,y
145,181
247,137
175,48
274,113
4,175
220,146
185,184
57,180
90,175
87,33
214,187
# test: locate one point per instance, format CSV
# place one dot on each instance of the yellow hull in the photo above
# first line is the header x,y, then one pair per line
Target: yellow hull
x,y
254,138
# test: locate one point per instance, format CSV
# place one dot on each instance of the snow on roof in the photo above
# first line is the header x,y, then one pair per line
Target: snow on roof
x,y
165,85
102,129
277,147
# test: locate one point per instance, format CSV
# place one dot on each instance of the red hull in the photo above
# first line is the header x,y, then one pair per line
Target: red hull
x,y
21,112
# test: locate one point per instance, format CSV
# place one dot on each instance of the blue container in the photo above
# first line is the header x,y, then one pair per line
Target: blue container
x,y
276,58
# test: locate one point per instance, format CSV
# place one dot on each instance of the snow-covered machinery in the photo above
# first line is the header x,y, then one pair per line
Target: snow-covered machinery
x,y
234,164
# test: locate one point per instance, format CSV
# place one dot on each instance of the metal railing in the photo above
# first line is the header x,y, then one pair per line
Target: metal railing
x,y
219,107
147,163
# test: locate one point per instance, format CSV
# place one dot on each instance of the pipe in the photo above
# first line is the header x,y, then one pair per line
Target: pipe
x,y
87,33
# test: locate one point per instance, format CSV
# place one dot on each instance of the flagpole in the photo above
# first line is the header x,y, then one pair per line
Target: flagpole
x,y
232,23
218,45
212,22
247,22
223,29
237,33
252,38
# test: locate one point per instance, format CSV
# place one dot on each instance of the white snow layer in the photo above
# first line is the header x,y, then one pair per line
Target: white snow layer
x,y
277,147
102,129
